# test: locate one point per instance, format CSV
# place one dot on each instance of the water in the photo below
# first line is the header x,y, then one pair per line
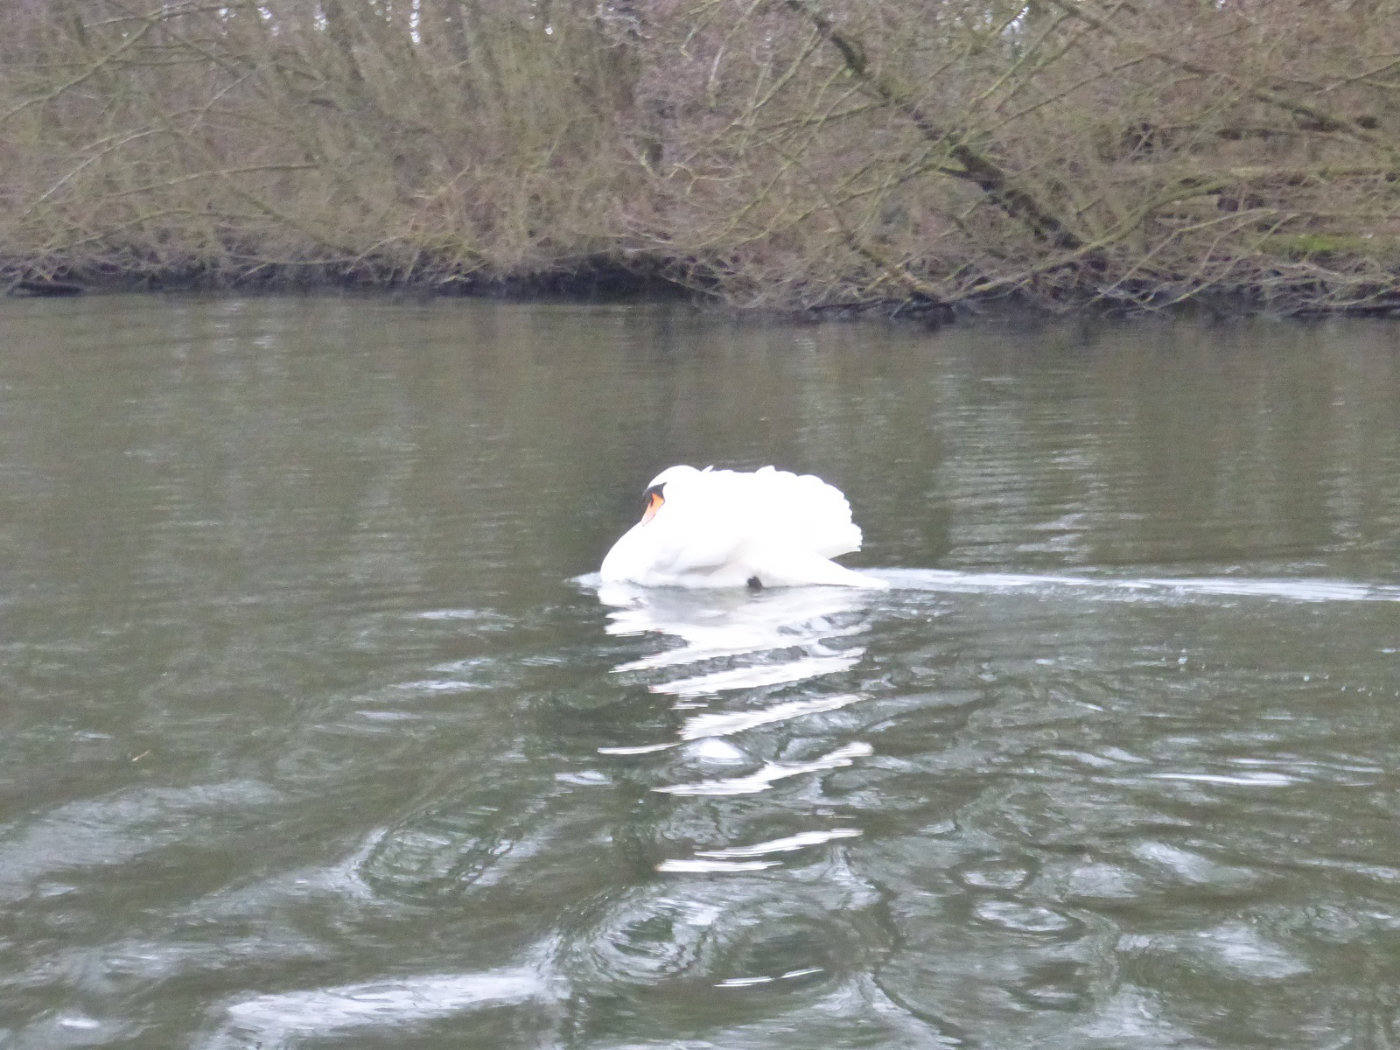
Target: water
x,y
315,732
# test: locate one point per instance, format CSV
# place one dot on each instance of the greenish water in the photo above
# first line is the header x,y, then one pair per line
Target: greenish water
x,y
311,735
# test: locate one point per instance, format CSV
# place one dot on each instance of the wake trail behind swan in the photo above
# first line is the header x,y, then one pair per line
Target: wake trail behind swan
x,y
1148,588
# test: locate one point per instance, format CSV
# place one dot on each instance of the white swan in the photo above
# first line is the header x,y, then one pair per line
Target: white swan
x,y
729,528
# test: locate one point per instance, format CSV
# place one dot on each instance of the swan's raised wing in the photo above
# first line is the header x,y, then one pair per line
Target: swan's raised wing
x,y
723,528
800,512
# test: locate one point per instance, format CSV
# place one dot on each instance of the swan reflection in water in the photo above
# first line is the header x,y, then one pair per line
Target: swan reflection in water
x,y
723,640
739,662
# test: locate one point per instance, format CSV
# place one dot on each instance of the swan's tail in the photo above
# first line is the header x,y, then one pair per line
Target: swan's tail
x,y
790,568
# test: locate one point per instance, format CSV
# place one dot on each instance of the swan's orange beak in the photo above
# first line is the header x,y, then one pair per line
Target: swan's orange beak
x,y
654,501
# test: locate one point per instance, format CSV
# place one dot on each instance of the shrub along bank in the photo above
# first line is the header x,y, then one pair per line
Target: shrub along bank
x,y
776,154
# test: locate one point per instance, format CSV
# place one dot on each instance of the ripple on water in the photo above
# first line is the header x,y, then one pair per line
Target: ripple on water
x,y
388,1008
999,962
651,952
1103,884
1237,949
726,723
770,773
985,938
1177,864
641,939
1235,958
756,856
438,853
993,873
527,839
116,829
1021,917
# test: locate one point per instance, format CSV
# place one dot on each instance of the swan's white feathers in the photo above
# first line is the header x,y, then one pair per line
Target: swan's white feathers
x,y
722,528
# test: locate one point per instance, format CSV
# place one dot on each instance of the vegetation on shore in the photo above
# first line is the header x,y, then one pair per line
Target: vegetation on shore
x,y
779,154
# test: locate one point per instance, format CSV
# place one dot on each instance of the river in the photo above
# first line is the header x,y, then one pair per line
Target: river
x,y
317,731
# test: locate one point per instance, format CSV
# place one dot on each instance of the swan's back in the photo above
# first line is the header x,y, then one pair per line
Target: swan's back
x,y
729,528
800,510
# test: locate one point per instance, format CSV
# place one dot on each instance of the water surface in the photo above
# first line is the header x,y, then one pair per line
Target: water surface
x,y
315,732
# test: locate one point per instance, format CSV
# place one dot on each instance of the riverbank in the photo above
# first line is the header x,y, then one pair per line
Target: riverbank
x,y
602,280
825,161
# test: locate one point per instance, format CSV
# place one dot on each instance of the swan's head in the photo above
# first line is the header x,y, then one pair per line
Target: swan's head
x,y
656,493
